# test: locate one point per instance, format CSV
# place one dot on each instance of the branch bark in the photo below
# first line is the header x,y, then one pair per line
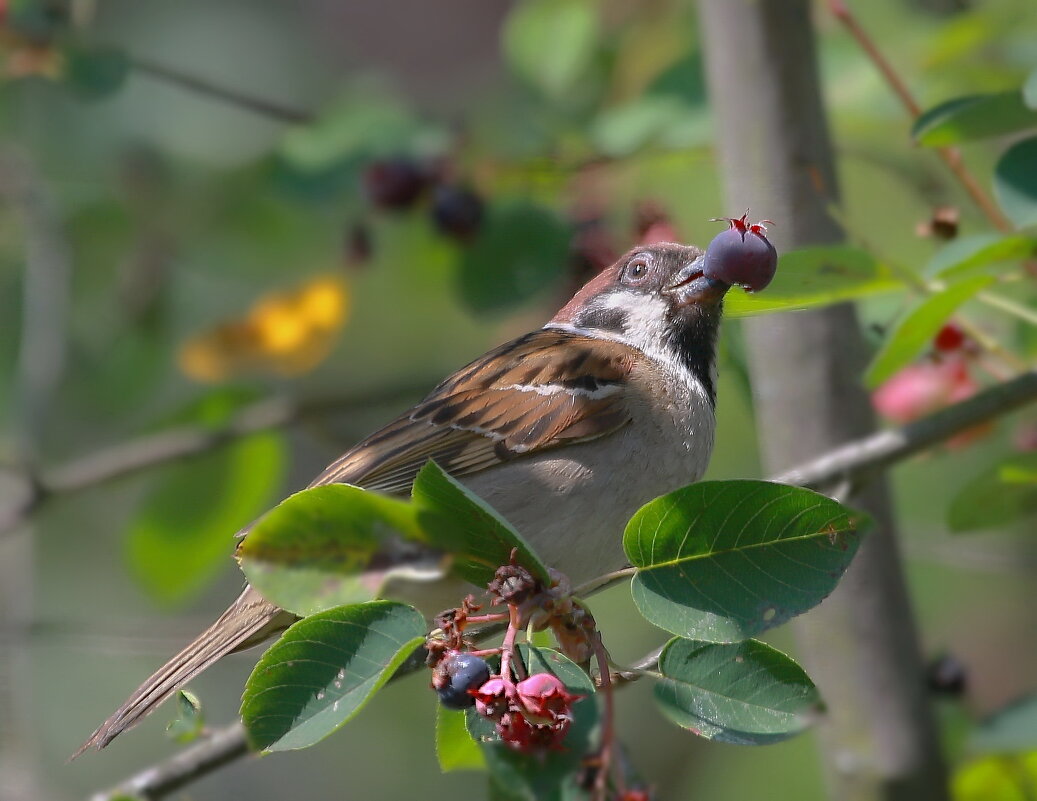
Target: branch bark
x,y
849,463
861,645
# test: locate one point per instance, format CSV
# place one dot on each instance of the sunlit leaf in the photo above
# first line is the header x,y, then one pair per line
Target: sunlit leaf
x,y
817,276
550,42
460,523
722,561
1015,182
1007,777
284,333
970,253
519,252
332,545
324,669
916,328
974,117
549,776
455,748
1001,495
746,693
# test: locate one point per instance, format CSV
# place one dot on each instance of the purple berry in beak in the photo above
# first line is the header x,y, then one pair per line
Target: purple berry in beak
x,y
742,254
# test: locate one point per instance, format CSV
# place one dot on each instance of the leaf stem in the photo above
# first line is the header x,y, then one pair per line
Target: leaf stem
x,y
1024,313
599,582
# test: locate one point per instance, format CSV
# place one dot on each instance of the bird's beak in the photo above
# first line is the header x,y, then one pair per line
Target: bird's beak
x,y
690,286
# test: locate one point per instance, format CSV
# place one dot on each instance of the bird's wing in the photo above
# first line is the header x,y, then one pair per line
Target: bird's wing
x,y
542,390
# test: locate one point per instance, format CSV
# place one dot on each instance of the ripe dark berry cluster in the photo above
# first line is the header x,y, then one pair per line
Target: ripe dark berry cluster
x,y
400,183
742,254
457,676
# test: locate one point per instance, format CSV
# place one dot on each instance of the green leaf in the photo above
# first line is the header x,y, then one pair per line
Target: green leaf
x,y
317,548
1015,182
969,253
95,72
1010,730
183,531
651,119
975,117
189,721
550,43
549,776
1030,90
455,748
747,693
916,328
722,561
460,523
324,669
999,777
997,497
817,276
519,251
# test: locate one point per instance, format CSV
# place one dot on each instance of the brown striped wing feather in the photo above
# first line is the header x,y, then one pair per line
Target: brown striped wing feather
x,y
544,389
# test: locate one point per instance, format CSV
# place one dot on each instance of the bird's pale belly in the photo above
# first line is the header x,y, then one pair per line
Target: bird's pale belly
x,y
573,508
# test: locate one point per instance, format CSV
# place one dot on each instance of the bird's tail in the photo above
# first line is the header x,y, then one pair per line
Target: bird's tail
x,y
249,620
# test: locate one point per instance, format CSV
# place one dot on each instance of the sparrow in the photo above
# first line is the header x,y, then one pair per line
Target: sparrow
x,y
565,431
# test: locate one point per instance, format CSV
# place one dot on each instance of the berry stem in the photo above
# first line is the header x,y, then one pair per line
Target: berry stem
x,y
491,617
606,764
507,661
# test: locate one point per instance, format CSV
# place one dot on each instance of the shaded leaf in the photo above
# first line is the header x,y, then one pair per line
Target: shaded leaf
x,y
1010,730
747,693
1030,90
189,721
458,522
981,250
818,276
652,119
455,748
324,669
722,561
549,776
1015,182
917,327
999,496
95,72
183,531
330,545
519,251
975,117
550,43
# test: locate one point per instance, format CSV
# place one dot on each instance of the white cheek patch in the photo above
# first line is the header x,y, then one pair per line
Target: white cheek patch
x,y
646,321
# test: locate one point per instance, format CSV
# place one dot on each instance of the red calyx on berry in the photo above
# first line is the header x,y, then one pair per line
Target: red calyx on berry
x,y
742,254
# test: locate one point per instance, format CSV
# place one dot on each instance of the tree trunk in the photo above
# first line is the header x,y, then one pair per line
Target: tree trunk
x,y
861,644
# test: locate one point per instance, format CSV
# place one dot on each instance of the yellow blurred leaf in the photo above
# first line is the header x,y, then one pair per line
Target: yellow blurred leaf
x,y
1008,777
284,333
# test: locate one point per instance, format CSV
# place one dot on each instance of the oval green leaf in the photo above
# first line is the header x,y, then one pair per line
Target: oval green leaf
x,y
915,329
813,277
746,694
722,561
458,522
1015,182
182,534
332,545
971,253
1000,496
975,117
549,776
519,251
324,669
550,43
455,748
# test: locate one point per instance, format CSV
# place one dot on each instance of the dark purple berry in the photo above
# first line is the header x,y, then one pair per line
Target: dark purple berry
x,y
946,675
456,211
742,254
458,673
394,183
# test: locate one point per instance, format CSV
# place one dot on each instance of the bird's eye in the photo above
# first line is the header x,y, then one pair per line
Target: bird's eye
x,y
637,270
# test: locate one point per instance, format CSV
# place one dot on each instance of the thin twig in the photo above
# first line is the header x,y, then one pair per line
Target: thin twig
x,y
855,459
203,86
950,156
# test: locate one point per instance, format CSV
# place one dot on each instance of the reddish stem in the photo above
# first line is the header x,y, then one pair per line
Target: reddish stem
x,y
508,651
950,156
608,726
